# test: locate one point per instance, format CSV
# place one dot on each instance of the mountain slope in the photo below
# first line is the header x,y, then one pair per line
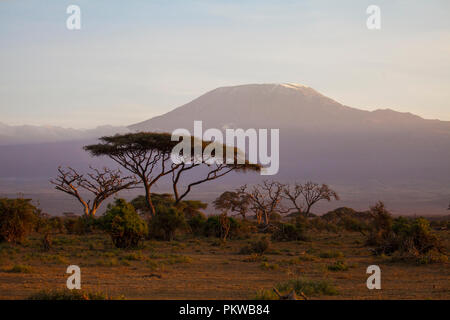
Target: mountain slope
x,y
284,106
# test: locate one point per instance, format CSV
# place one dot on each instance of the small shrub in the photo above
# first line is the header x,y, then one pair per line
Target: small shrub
x,y
259,246
213,227
308,287
108,262
307,257
321,224
135,256
166,222
54,259
331,254
179,259
84,225
301,258
269,266
19,268
155,265
338,266
69,225
46,242
289,232
124,225
265,295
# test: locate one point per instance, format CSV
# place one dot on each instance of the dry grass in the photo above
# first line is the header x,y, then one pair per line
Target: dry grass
x,y
196,269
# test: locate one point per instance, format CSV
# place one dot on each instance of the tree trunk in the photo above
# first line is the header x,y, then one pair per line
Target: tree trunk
x,y
148,198
266,218
93,212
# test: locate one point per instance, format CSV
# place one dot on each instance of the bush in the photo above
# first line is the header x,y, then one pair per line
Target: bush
x,y
407,239
338,266
20,268
69,224
84,225
212,226
331,254
381,227
237,229
265,295
197,224
57,224
308,287
123,224
190,208
259,246
320,224
269,266
166,222
289,232
18,218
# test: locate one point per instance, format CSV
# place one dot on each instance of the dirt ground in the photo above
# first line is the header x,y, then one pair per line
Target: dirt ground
x,y
208,269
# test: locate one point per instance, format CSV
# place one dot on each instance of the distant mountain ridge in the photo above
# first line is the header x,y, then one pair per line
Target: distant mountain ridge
x,y
27,134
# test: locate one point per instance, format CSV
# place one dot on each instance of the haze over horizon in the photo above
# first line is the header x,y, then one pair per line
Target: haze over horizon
x,y
399,158
134,62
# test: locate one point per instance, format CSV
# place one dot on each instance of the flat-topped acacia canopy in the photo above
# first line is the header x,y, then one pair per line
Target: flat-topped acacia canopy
x,y
147,154
141,141
158,142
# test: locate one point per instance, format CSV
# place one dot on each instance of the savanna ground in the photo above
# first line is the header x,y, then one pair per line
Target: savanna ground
x,y
206,268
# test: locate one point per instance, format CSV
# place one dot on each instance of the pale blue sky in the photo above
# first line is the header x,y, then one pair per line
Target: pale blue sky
x,y
136,59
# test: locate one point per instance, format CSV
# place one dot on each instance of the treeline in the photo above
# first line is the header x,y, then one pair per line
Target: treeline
x,y
405,239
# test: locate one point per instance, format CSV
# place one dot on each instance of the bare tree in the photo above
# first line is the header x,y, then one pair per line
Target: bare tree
x,y
293,195
304,196
101,183
266,200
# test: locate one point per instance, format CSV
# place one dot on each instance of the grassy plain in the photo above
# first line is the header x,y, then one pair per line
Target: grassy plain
x,y
206,268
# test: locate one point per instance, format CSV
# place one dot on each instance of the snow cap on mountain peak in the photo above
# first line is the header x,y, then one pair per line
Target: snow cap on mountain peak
x,y
292,85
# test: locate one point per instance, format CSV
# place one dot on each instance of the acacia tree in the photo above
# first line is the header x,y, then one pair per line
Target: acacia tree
x,y
150,156
304,196
101,183
234,201
145,154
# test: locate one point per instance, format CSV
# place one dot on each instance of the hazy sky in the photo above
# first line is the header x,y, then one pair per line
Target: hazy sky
x,y
133,60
